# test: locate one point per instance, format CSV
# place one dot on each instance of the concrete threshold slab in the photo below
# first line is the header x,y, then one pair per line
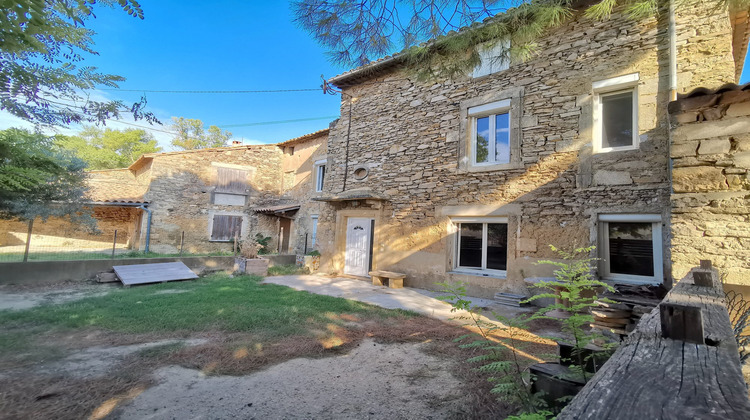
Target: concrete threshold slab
x,y
421,301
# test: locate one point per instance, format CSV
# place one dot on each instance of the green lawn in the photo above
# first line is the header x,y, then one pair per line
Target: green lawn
x,y
216,302
94,255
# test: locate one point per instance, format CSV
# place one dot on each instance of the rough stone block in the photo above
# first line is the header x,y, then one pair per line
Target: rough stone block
x,y
612,178
684,149
739,109
698,179
714,147
712,129
686,117
742,160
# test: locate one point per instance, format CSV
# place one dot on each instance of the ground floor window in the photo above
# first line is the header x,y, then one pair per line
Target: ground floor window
x,y
224,228
482,245
631,247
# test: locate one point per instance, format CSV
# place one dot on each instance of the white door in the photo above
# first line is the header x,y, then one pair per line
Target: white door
x,y
357,260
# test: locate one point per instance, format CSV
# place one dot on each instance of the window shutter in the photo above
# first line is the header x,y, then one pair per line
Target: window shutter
x,y
225,227
231,181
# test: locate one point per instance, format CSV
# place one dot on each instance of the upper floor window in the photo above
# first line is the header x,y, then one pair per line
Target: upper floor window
x,y
616,114
231,186
494,58
320,175
631,247
491,133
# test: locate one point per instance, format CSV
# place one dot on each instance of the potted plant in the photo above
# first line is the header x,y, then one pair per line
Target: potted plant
x,y
311,260
253,263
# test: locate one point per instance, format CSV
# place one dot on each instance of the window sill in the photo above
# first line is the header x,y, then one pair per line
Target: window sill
x,y
633,280
484,274
497,167
615,150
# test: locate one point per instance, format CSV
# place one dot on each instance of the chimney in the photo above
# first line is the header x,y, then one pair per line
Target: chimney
x,y
236,143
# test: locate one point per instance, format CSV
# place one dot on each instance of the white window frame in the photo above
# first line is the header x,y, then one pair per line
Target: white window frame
x,y
657,243
314,238
609,87
490,110
319,166
493,58
457,221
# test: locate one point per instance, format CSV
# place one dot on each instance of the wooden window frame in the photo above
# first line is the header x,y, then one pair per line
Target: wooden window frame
x,y
213,227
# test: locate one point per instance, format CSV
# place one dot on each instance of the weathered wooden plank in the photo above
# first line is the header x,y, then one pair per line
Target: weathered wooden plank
x,y
652,377
153,273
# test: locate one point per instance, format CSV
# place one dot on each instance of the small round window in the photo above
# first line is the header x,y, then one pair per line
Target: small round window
x,y
361,173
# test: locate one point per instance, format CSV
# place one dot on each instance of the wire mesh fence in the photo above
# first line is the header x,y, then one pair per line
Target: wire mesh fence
x,y
56,240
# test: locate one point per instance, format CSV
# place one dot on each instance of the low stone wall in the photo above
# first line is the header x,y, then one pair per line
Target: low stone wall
x,y
710,201
39,273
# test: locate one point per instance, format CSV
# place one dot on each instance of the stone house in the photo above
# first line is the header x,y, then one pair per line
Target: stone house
x,y
215,195
471,179
710,151
209,196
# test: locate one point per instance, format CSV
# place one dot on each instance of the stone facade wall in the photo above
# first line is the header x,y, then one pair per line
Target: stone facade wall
x,y
410,136
181,193
59,234
711,184
299,187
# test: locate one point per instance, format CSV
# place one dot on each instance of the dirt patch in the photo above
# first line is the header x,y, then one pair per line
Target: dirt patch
x,y
372,380
377,368
19,299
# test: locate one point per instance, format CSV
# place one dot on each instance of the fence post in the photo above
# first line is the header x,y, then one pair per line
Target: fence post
x,y
28,241
114,244
182,242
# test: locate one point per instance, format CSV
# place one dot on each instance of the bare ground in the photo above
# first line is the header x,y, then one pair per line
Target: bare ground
x,y
367,369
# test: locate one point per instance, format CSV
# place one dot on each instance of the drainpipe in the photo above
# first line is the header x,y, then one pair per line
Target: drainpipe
x,y
148,225
672,53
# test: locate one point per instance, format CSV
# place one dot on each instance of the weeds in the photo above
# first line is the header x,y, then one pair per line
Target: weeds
x,y
574,290
500,357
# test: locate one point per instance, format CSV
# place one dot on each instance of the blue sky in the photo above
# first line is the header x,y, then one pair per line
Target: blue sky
x,y
216,45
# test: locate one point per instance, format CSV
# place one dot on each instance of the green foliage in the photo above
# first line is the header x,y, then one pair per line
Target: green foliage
x,y
314,253
38,178
263,242
190,134
215,302
577,288
441,39
499,356
41,43
108,148
287,270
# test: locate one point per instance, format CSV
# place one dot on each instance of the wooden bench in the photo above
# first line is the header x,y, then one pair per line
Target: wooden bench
x,y
389,278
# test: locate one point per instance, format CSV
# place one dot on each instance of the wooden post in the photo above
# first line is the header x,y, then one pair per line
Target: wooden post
x,y
28,241
114,244
682,322
182,242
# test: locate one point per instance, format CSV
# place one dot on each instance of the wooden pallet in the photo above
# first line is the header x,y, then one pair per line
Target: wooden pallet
x,y
153,273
